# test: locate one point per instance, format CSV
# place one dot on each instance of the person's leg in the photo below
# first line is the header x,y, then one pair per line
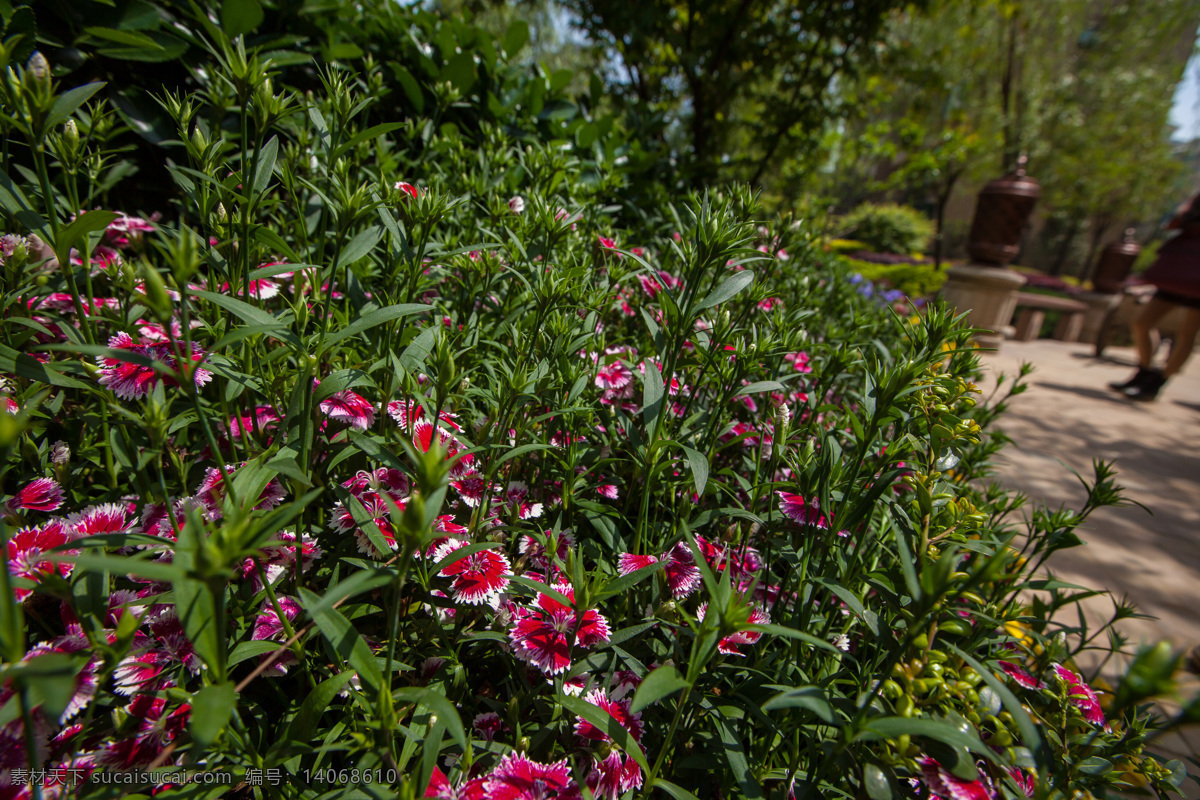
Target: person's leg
x,y
1145,335
1181,347
1145,339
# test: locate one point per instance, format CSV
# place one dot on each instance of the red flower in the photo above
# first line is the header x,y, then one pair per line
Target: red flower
x,y
407,188
155,730
517,777
25,549
803,512
614,376
479,577
613,776
945,784
96,520
129,380
42,494
799,361
543,636
683,576
1019,675
617,709
729,644
1081,696
350,408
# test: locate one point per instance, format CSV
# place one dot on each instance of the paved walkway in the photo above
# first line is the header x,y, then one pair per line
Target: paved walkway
x,y
1069,417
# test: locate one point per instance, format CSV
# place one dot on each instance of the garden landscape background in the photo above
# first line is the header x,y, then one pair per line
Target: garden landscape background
x,y
555,399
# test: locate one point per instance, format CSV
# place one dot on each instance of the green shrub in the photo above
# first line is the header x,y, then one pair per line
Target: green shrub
x,y
389,455
887,228
915,280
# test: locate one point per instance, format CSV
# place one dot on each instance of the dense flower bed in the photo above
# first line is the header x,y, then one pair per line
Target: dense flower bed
x,y
409,462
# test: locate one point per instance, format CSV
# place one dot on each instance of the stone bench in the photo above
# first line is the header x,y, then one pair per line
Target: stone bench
x,y
1031,313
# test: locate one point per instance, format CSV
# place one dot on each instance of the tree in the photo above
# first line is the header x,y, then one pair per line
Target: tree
x,y
737,85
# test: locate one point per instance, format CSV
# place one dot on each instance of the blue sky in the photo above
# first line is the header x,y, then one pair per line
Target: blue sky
x,y
1185,114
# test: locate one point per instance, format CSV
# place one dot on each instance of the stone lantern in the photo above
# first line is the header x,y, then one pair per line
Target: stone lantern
x,y
1116,261
986,289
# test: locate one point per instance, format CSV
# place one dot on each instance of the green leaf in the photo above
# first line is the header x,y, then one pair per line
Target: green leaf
x,y
130,38
82,225
373,132
516,37
876,782
810,697
791,633
266,165
735,755
252,315
522,450
64,106
240,16
373,318
939,730
678,792
345,641
652,392
304,724
728,288
1030,736
248,650
142,567
360,245
212,708
762,386
25,365
662,682
699,466
607,723
198,612
625,582
359,582
52,679
439,705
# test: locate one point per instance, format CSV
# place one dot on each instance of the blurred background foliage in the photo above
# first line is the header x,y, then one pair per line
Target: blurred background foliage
x,y
821,106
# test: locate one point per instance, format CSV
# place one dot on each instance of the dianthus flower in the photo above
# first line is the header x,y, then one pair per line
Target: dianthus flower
x,y
1081,696
350,408
617,709
479,577
42,494
517,777
25,549
729,644
130,381
945,784
545,632
613,776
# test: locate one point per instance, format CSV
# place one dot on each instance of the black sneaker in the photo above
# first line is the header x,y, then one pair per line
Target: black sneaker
x,y
1148,388
1137,378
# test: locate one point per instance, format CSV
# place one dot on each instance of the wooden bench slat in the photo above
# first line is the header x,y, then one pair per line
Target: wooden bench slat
x,y
1049,302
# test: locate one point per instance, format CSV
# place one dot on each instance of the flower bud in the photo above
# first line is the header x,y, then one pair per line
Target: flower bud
x,y
60,453
38,68
516,204
222,214
71,134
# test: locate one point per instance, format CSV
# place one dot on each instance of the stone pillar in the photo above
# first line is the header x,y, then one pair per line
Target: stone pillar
x,y
1099,305
987,294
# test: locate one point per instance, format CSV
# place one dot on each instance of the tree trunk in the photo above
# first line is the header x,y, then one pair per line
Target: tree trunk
x,y
1065,248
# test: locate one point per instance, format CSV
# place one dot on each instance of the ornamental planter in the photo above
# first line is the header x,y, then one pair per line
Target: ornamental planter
x,y
985,289
1116,260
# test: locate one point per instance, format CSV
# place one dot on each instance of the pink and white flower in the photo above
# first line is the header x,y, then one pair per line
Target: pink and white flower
x,y
350,408
729,644
41,494
945,784
269,627
25,549
546,632
1020,675
479,577
613,776
130,381
1081,696
517,777
801,511
617,709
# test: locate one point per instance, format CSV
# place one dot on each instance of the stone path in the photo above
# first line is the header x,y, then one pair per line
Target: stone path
x,y
1068,418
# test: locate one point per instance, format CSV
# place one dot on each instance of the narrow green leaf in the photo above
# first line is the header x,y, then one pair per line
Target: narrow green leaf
x,y
810,697
735,754
304,724
728,288
439,705
212,708
82,225
266,165
652,392
940,730
345,641
65,105
699,466
607,723
662,682
372,319
361,244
